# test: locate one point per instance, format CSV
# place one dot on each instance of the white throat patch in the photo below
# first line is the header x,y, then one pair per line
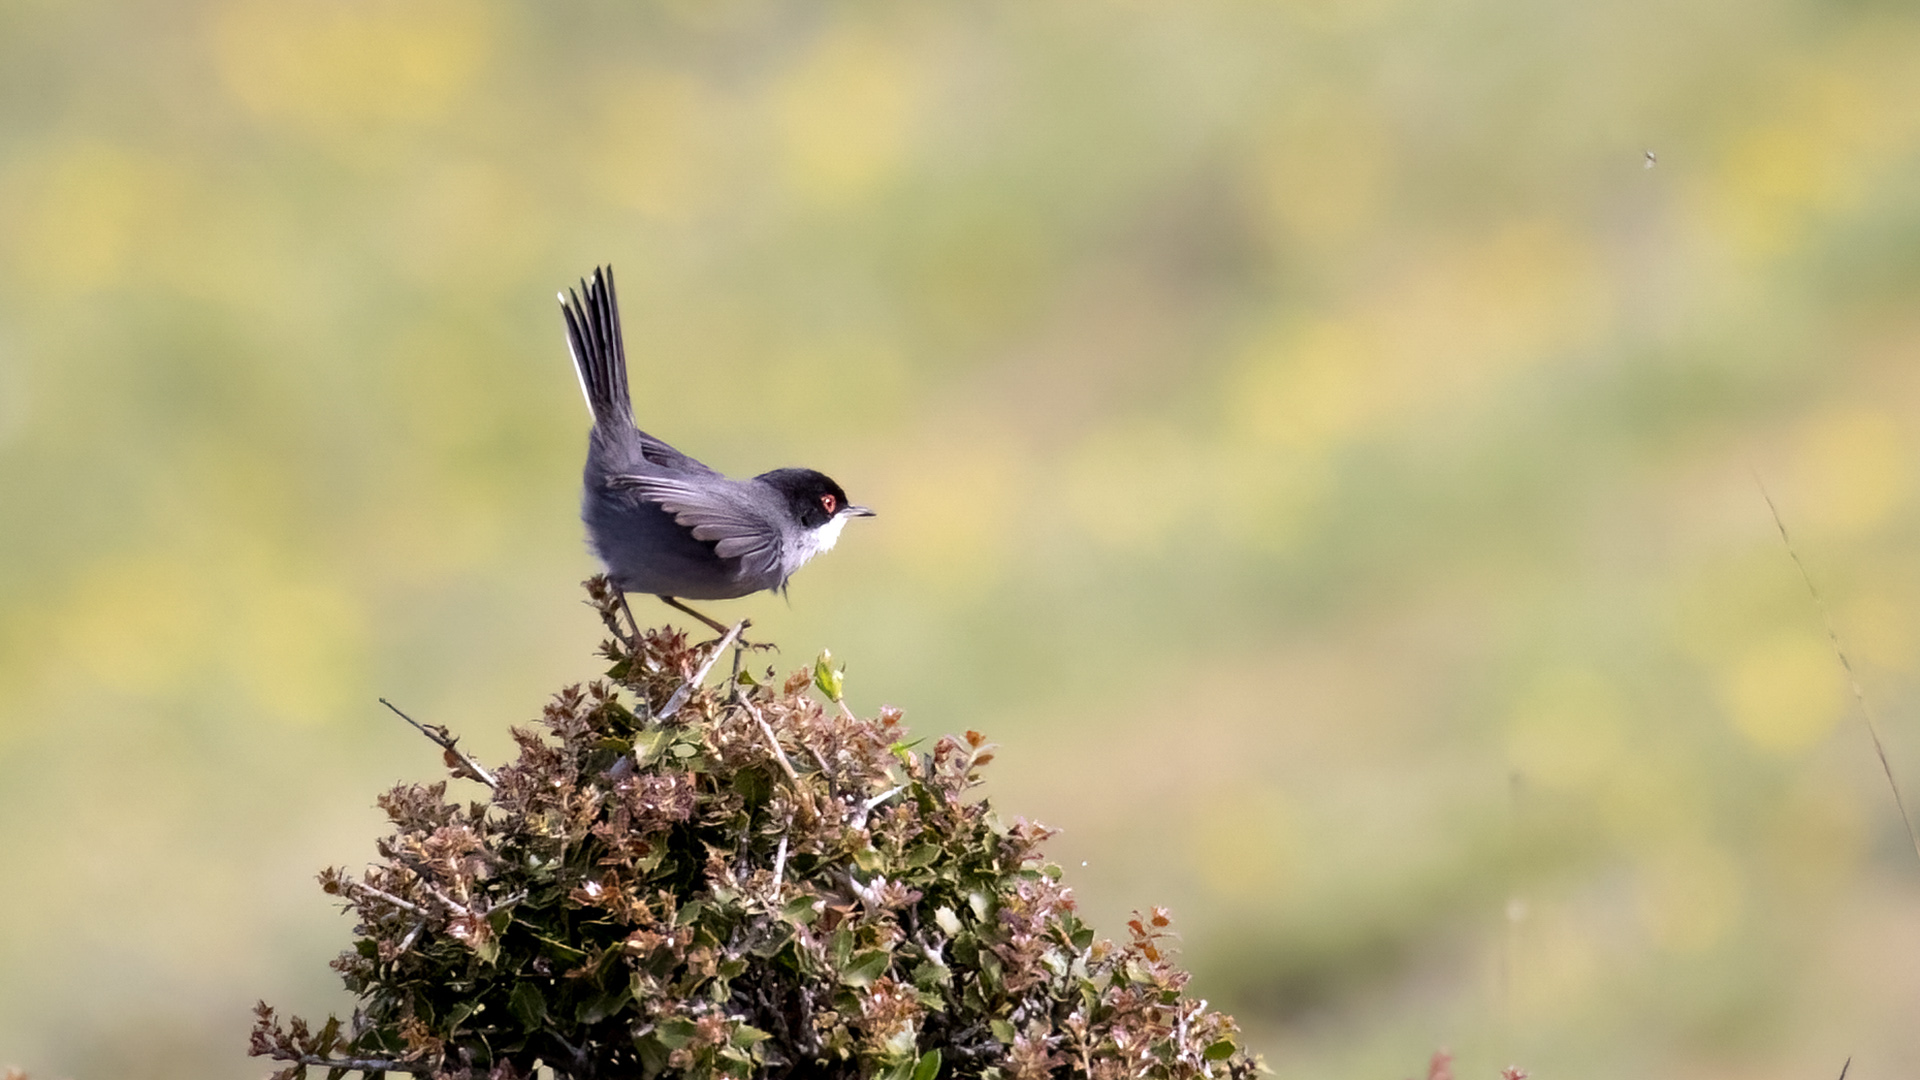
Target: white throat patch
x,y
828,535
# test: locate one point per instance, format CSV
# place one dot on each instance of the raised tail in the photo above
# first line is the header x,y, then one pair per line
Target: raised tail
x,y
599,356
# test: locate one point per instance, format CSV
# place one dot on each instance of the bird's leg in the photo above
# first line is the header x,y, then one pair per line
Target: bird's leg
x,y
718,627
633,643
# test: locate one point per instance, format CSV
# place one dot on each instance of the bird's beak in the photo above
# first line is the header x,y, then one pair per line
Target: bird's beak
x,y
857,511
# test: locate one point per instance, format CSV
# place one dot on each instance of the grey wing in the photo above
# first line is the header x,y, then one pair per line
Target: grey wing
x,y
657,450
733,526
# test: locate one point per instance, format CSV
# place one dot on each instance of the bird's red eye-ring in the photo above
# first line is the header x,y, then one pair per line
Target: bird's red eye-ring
x,y
828,503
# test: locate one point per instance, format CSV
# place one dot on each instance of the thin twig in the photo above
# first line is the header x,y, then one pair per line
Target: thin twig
x,y
685,692
866,808
451,904
446,740
774,742
1853,681
1844,1067
378,894
780,867
365,1065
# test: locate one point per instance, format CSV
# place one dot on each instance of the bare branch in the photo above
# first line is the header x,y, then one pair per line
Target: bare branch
x,y
365,1065
681,695
446,740
774,742
866,808
779,866
451,904
360,887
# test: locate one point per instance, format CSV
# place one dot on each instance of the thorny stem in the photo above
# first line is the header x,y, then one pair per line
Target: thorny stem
x,y
1846,665
685,692
446,740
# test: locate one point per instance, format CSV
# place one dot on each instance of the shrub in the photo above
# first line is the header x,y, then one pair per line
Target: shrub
x,y
746,880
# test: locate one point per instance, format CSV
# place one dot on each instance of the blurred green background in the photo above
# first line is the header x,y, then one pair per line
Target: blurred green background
x,y
1308,436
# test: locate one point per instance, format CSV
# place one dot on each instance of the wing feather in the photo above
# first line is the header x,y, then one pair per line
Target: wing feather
x,y
732,525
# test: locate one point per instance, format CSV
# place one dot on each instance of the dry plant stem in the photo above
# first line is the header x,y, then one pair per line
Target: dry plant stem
x,y
445,740
1844,1066
779,867
773,741
1853,681
448,902
365,1065
387,897
681,695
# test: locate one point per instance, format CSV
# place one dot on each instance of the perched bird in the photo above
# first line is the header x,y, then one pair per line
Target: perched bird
x,y
662,522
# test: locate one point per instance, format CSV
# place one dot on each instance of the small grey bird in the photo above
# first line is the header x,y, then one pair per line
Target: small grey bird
x,y
664,523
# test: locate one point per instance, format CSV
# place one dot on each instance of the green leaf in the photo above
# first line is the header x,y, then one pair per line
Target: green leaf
x,y
831,683
928,975
866,967
801,910
646,745
924,855
528,1006
1220,1051
653,1054
840,946
948,922
459,1013
689,911
747,1035
1002,1031
929,1066
600,1006
674,1034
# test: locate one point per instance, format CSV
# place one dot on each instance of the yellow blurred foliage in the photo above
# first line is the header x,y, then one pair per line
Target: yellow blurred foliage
x,y
1880,630
1130,484
1850,468
85,209
1837,128
1566,730
1324,170
845,113
1784,692
1242,845
1553,958
1691,896
1436,337
1308,386
660,142
950,512
137,624
344,65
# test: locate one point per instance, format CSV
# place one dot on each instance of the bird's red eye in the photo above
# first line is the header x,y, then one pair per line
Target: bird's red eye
x,y
828,502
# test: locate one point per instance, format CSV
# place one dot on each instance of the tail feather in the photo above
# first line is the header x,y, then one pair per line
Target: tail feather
x,y
599,355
